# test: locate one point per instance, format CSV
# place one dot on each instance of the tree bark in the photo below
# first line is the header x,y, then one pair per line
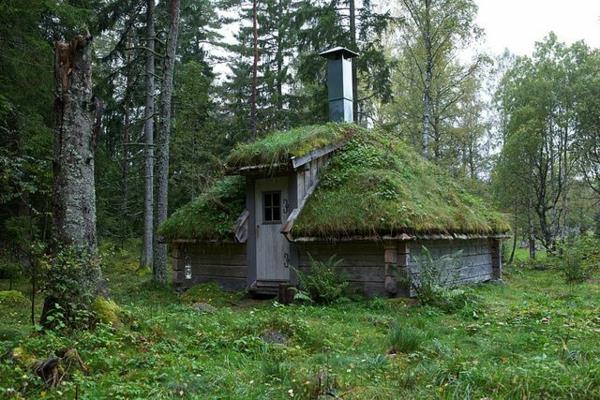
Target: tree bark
x,y
354,48
160,255
427,102
74,196
514,247
531,234
253,96
125,231
147,252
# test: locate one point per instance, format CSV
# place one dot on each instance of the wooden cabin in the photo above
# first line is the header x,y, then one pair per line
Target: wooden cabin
x,y
333,189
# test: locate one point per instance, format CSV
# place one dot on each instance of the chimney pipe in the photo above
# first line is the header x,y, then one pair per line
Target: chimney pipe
x,y
339,83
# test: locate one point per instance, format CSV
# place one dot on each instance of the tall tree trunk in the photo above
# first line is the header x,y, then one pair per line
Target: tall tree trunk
x,y
160,255
354,48
514,245
253,96
74,196
279,77
147,252
428,79
531,235
125,231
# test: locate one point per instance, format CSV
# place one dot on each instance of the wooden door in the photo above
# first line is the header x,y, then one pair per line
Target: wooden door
x,y
272,249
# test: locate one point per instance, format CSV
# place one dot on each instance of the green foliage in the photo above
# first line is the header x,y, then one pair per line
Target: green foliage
x,y
432,278
377,184
210,293
323,282
533,338
405,338
578,259
72,277
545,101
211,215
457,127
278,147
200,141
107,311
9,269
13,299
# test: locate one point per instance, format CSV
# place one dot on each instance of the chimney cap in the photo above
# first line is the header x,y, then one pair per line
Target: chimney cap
x,y
338,52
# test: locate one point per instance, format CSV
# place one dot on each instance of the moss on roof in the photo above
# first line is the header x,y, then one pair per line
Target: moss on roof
x,y
377,184
374,185
210,216
278,147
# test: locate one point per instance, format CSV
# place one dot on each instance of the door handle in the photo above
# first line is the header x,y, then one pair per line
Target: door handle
x,y
286,260
257,230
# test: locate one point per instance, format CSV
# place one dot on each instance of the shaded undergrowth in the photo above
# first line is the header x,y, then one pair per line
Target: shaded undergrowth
x,y
536,337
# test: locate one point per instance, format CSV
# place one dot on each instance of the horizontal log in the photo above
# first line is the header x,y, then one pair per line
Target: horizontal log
x,y
480,259
213,259
369,289
234,271
352,255
357,274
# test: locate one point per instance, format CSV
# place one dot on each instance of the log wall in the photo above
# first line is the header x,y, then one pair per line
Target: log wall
x,y
362,264
372,268
223,263
473,264
385,268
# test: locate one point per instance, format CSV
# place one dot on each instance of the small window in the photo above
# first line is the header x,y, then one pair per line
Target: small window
x,y
272,207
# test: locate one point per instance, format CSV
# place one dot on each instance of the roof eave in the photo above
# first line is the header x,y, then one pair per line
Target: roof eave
x,y
260,169
399,237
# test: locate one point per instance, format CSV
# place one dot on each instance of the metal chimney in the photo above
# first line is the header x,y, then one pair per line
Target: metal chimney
x,y
339,83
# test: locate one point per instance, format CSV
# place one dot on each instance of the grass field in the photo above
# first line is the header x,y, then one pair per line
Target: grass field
x,y
533,338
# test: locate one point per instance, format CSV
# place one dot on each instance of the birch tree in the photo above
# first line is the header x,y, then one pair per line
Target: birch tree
x,y
539,97
431,33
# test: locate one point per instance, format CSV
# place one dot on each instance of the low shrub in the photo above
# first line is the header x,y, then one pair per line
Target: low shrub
x,y
10,270
432,279
405,338
108,312
70,287
13,299
11,334
578,259
537,264
323,283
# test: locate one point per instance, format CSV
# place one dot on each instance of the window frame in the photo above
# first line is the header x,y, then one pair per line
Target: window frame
x,y
272,207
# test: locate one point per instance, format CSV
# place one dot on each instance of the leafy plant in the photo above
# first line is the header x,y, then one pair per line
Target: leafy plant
x,y
432,278
210,293
12,298
578,259
323,283
71,287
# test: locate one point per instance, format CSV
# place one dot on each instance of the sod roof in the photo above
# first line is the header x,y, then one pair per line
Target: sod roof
x,y
378,185
278,147
374,185
210,216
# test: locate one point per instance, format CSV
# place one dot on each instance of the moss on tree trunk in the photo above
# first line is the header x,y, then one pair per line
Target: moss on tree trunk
x,y
74,198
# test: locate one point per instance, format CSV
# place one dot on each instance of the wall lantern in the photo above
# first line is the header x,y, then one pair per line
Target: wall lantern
x,y
187,269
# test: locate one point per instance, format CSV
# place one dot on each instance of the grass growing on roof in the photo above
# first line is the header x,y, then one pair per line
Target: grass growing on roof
x,y
377,184
278,147
211,216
